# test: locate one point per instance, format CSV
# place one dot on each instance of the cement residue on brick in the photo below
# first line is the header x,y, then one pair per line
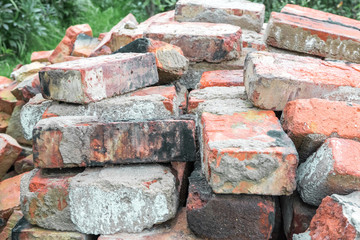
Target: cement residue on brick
x,y
123,199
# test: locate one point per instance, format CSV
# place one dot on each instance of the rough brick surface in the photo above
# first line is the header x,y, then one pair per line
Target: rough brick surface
x,y
170,60
334,168
160,102
24,231
296,214
26,71
318,116
14,128
253,40
41,56
200,41
93,79
248,153
45,199
65,47
229,217
315,32
268,74
80,141
84,45
5,234
222,78
9,151
27,88
24,164
7,100
4,121
337,217
245,14
175,229
124,199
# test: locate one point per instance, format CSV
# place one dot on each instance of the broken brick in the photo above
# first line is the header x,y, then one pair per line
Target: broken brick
x,y
9,151
24,164
84,45
200,41
41,56
222,78
14,128
268,74
93,79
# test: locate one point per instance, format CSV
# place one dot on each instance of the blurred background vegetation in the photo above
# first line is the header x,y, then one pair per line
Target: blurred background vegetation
x,y
37,25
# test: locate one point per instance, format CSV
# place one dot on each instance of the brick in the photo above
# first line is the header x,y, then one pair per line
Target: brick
x,y
24,231
218,100
315,32
84,45
268,74
309,145
7,100
303,117
65,47
45,199
4,121
24,164
9,151
14,128
160,102
337,218
192,77
9,197
27,88
124,199
182,170
4,82
253,40
5,234
41,56
333,169
109,36
26,71
200,41
222,78
170,60
175,229
80,141
215,216
296,214
133,31
244,14
93,79
249,153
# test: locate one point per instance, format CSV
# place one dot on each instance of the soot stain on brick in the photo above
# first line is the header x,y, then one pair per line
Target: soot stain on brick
x,y
44,84
220,52
140,45
280,138
21,225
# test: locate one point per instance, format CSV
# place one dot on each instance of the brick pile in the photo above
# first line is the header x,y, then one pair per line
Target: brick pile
x,y
199,123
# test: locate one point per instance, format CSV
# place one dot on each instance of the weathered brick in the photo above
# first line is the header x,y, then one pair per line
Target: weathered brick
x,y
253,40
26,71
5,234
109,36
93,79
14,128
27,89
319,116
182,171
200,41
7,100
213,216
218,100
296,214
122,199
4,121
268,74
245,14
41,56
84,45
63,50
24,231
175,229
4,82
9,151
9,197
170,60
337,218
222,78
315,32
80,141
160,102
334,168
249,153
24,164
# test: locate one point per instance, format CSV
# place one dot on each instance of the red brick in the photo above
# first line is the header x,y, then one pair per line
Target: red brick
x,y
337,218
200,41
253,40
7,100
268,74
84,45
27,89
182,170
97,78
245,14
212,216
24,164
319,116
9,151
41,56
108,37
4,82
315,32
334,168
104,143
65,47
4,121
222,78
249,153
9,196
170,60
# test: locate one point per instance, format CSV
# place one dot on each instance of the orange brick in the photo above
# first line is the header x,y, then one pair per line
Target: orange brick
x,y
9,151
41,56
222,78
